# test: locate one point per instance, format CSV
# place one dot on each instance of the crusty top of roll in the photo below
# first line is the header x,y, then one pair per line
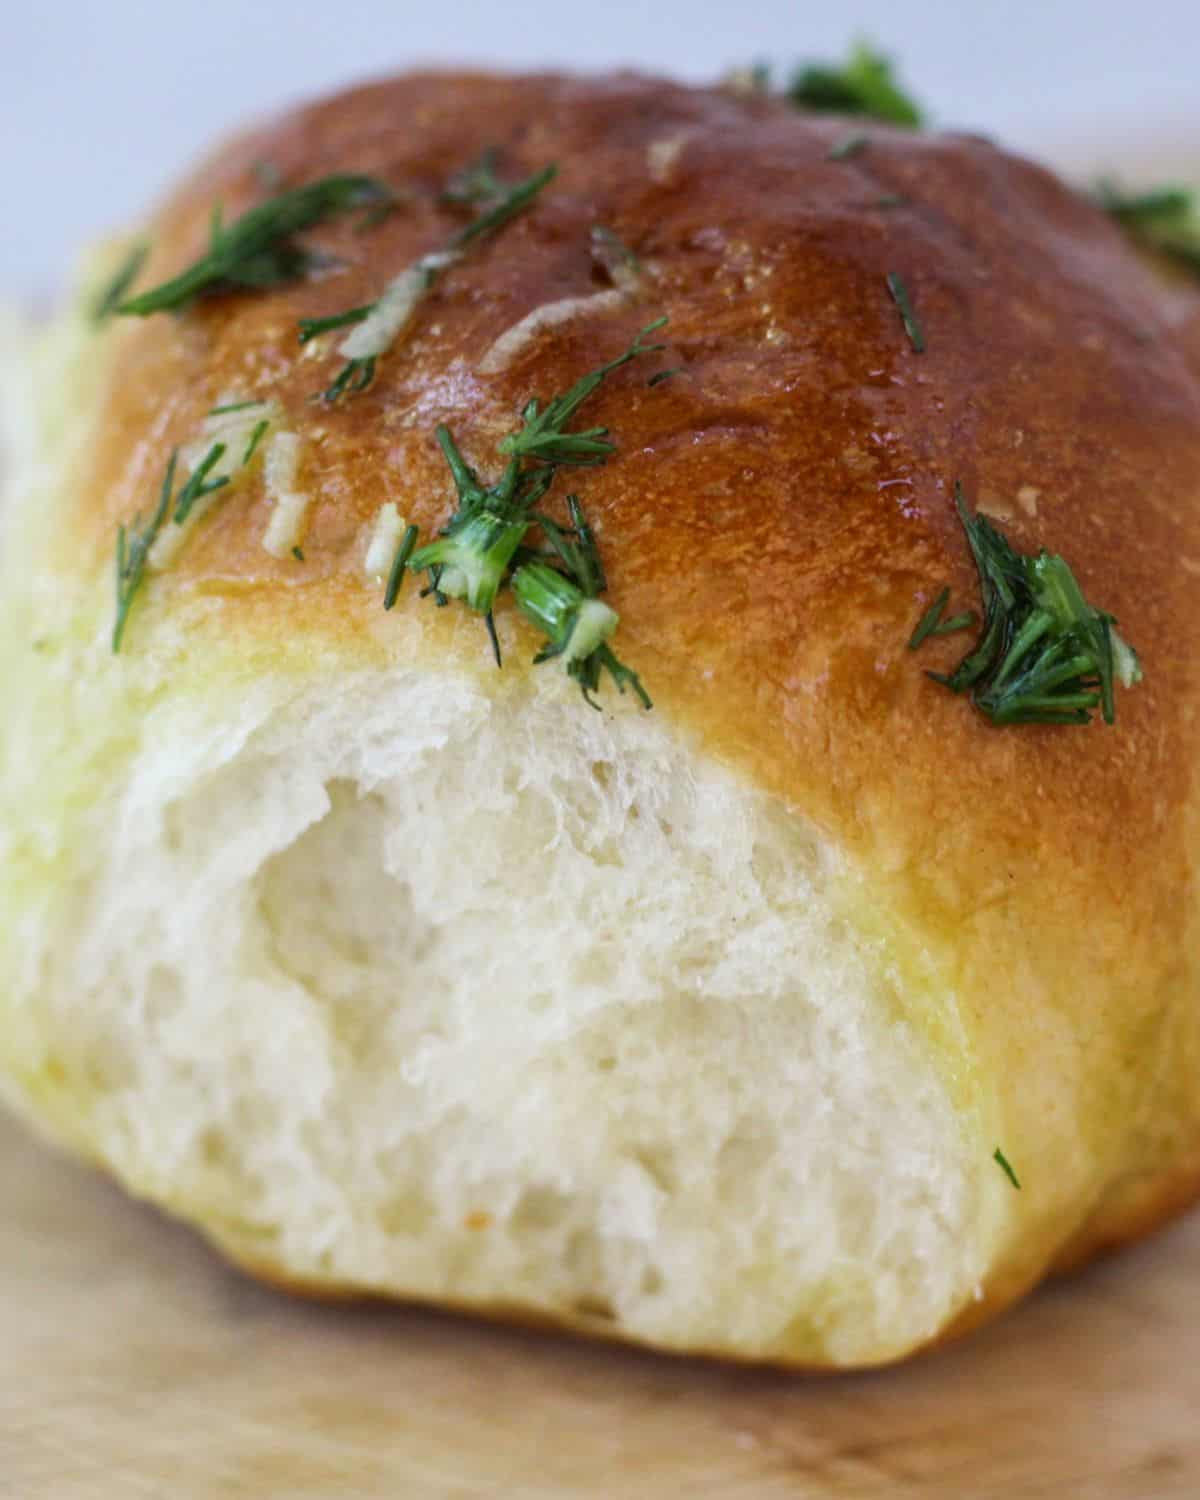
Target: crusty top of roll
x,y
778,515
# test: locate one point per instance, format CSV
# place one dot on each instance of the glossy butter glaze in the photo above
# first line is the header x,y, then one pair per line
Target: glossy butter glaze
x,y
776,519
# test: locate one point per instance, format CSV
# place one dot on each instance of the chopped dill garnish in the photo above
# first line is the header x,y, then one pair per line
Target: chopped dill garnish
x,y
849,145
220,411
483,545
577,627
198,485
1005,1166
135,543
542,437
298,553
665,375
931,622
259,249
1045,655
380,323
907,316
1165,219
354,376
575,547
514,200
256,437
310,328
133,548
114,290
396,576
863,85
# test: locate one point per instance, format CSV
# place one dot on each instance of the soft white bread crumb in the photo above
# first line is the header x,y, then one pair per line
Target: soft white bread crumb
x,y
432,962
391,979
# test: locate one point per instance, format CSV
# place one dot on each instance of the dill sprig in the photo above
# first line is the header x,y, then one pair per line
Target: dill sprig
x,y
542,436
563,603
396,574
311,328
1006,1167
1165,219
259,249
931,622
471,556
134,542
512,201
199,486
908,317
483,545
133,548
864,85
383,320
1045,655
577,627
113,291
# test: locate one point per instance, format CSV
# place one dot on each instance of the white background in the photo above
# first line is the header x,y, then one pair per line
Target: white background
x,y
102,101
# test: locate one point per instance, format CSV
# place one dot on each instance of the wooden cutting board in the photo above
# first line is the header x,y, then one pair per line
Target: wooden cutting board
x,y
134,1365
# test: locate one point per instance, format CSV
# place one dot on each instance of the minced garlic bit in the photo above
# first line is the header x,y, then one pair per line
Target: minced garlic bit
x,y
513,341
290,506
238,426
662,154
385,538
393,311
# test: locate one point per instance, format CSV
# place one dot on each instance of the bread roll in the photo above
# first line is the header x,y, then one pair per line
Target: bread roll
x,y
397,973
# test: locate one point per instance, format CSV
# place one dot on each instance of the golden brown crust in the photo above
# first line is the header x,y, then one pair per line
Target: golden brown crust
x,y
777,518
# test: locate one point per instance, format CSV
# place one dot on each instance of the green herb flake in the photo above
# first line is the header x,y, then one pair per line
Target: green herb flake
x,y
134,543
1005,1166
133,548
298,553
1044,655
905,308
113,292
220,411
311,328
932,624
542,435
256,437
396,577
259,249
864,85
483,546
929,620
1165,219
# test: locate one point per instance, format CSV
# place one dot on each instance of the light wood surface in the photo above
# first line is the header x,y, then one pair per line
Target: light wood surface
x,y
134,1365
